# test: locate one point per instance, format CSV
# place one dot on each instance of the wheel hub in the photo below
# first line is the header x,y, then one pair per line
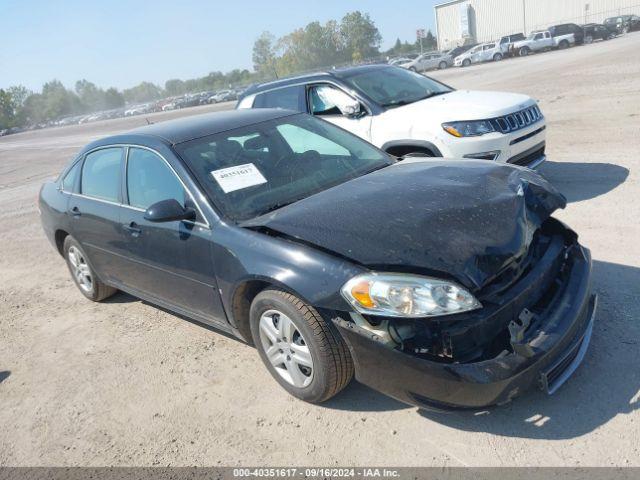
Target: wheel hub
x,y
286,348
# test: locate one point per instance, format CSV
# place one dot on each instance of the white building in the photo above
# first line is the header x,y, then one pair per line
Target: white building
x,y
477,21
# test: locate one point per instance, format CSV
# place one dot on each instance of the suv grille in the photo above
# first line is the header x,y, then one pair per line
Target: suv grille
x,y
518,120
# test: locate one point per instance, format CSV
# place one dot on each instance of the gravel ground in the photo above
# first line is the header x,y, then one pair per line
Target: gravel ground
x,y
125,383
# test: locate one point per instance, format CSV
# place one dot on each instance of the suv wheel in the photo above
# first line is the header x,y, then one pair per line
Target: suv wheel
x,y
563,44
524,51
466,62
83,275
442,65
588,39
304,353
497,57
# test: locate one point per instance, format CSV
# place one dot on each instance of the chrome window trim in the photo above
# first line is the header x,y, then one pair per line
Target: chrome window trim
x,y
128,146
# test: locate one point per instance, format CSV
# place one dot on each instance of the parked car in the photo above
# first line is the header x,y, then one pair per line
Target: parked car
x,y
457,51
506,43
428,61
542,40
623,23
595,31
252,222
485,52
223,96
407,113
558,31
399,60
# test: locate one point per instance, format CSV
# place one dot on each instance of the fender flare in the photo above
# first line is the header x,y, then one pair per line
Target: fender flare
x,y
412,143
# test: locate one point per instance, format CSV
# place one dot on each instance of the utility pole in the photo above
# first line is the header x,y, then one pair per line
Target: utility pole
x,y
524,17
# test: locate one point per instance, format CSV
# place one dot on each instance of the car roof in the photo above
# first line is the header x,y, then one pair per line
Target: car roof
x,y
196,126
336,73
184,129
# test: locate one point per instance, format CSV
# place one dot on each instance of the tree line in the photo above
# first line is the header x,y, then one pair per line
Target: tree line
x,y
353,39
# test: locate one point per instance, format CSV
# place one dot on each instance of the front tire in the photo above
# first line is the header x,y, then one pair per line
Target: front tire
x,y
442,65
305,354
524,51
466,63
83,274
497,57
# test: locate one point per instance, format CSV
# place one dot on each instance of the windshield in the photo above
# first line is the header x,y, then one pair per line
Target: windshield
x,y
253,170
395,86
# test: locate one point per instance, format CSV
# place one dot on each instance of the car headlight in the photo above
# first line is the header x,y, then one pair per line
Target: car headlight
x,y
472,128
412,296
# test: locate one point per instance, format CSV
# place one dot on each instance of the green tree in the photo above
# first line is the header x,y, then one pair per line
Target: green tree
x,y
144,92
264,54
113,99
360,36
174,86
7,110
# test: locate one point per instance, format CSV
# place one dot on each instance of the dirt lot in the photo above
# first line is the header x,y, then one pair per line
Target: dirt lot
x,y
124,383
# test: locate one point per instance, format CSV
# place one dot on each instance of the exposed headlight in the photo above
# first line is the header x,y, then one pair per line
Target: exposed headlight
x,y
400,295
472,128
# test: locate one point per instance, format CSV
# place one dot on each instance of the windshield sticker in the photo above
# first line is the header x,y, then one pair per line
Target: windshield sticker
x,y
236,178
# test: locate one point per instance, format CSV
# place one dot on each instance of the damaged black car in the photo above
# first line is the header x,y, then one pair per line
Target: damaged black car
x,y
442,283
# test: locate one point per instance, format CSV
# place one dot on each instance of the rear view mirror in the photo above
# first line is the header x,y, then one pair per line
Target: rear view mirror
x,y
169,211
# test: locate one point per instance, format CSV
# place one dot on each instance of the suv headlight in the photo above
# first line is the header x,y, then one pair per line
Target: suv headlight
x,y
472,128
412,296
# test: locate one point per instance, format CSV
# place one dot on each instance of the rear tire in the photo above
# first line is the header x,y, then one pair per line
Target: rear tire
x,y
497,57
563,45
304,353
83,274
442,65
524,51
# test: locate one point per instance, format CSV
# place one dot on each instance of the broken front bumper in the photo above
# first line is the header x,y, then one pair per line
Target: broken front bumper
x,y
548,356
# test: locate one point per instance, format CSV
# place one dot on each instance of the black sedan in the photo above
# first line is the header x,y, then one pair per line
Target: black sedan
x,y
441,283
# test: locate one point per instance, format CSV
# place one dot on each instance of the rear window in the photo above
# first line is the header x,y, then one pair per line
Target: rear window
x,y
287,98
101,174
69,180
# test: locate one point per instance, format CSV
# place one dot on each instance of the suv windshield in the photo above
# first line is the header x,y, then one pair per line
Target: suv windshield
x,y
395,86
253,170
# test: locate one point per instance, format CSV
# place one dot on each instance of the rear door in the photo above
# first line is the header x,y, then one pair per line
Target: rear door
x,y
95,211
169,261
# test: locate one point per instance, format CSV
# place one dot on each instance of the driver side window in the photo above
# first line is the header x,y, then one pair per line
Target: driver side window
x,y
328,100
151,180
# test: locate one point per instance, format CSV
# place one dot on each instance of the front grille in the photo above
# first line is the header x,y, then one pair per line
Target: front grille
x,y
528,156
517,120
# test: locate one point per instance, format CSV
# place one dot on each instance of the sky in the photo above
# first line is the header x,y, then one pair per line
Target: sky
x,y
121,43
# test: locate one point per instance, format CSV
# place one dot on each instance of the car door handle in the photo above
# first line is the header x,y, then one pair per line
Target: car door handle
x,y
133,229
75,211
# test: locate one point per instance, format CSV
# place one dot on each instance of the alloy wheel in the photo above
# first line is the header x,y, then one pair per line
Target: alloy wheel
x,y
80,269
286,348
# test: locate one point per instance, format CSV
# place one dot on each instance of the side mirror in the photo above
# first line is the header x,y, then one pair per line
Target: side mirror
x,y
168,211
351,109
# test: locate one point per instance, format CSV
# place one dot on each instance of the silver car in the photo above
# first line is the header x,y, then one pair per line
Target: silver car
x,y
428,61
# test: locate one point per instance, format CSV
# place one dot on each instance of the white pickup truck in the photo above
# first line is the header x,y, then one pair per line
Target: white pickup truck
x,y
541,40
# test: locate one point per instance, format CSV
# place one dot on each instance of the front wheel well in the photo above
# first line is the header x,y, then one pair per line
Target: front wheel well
x,y
241,306
402,150
60,236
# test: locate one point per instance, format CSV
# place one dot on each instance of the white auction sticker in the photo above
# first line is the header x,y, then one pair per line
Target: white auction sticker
x,y
236,178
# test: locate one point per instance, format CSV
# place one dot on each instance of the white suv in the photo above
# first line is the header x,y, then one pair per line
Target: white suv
x,y
405,113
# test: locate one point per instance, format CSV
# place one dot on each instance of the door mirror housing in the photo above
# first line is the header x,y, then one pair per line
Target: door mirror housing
x,y
348,106
169,211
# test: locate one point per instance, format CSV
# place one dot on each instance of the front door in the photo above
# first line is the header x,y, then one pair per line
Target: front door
x,y
169,261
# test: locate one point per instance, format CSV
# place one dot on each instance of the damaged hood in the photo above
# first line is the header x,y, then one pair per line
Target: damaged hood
x,y
466,220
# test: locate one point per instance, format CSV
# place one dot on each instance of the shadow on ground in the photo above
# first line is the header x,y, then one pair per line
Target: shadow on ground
x,y
582,181
4,375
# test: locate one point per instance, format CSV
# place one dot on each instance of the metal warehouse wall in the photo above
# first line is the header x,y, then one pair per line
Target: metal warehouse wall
x,y
495,18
